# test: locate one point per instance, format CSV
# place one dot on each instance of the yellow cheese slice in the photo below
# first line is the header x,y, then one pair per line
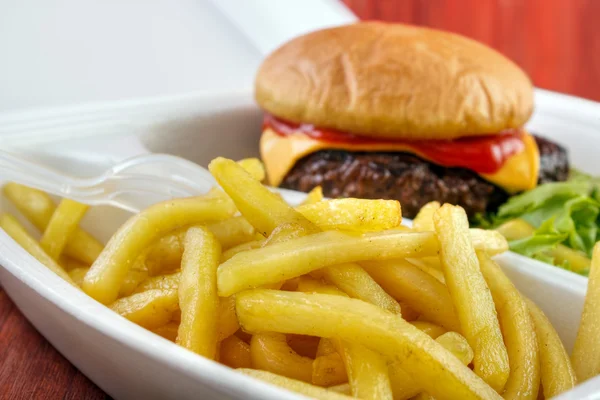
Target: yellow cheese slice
x,y
280,153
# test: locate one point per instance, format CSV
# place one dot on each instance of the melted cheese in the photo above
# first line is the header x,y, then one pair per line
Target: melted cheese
x,y
280,153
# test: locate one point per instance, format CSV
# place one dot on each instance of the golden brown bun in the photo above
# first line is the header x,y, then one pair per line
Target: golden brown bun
x,y
391,80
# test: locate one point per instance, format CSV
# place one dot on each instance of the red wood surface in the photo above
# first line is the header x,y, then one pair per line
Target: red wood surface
x,y
556,41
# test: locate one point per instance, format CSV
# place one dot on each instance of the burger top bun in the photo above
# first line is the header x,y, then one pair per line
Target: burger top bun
x,y
394,81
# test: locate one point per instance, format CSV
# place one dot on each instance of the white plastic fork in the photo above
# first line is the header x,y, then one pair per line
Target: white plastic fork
x,y
132,185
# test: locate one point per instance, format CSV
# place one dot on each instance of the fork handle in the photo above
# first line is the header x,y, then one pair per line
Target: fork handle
x,y
13,168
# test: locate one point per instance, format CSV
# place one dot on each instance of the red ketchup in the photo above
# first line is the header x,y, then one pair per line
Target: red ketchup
x,y
482,154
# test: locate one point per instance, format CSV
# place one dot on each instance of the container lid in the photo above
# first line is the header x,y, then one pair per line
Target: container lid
x,y
70,52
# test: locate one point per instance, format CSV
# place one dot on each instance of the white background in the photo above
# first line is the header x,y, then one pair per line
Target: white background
x,y
63,52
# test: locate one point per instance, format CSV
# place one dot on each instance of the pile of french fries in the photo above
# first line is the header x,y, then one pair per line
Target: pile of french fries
x,y
333,299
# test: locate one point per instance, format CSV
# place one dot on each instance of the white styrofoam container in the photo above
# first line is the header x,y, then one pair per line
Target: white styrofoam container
x,y
128,362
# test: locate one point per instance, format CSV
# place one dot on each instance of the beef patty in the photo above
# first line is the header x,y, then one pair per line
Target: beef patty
x,y
410,179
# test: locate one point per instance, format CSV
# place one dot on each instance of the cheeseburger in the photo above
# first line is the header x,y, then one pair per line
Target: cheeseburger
x,y
377,110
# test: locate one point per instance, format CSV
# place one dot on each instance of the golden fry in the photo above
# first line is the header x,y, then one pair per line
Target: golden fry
x,y
132,280
357,283
235,353
354,214
232,232
343,388
471,297
314,196
227,323
329,370
38,208
14,229
163,282
433,330
254,167
164,255
294,385
63,223
271,352
404,387
168,331
429,364
77,274
198,298
422,292
108,272
456,344
255,244
367,372
518,332
586,352
262,208
151,309
424,220
282,261
556,371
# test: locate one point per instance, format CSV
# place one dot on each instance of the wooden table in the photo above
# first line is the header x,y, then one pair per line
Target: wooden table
x,y
30,368
556,41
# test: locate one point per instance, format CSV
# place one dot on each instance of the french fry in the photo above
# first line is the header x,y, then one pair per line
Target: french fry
x,y
232,232
367,372
271,352
586,352
433,330
424,220
491,242
14,229
164,255
353,214
235,353
227,323
254,167
168,331
471,297
77,274
344,388
314,196
163,282
357,283
107,273
325,347
132,280
407,283
456,344
294,385
518,332
363,323
151,309
69,263
282,261
556,371
255,244
404,386
61,226
38,208
329,370
262,208
426,267
198,298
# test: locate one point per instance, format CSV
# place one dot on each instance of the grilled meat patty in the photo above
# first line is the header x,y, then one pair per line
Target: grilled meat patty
x,y
410,179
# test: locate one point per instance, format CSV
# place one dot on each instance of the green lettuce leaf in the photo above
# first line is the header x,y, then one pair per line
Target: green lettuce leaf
x,y
565,213
537,246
